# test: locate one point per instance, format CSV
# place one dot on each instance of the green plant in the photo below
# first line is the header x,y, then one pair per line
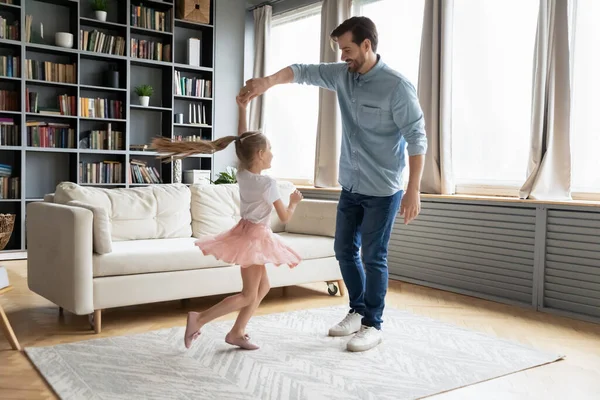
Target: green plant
x,y
227,177
144,90
99,5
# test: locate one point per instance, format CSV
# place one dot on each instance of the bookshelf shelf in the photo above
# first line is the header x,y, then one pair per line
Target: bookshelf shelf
x,y
91,22
40,82
193,68
182,23
98,75
102,88
150,108
179,97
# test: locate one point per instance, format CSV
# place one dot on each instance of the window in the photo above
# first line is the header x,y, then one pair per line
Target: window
x,y
585,131
399,27
292,110
492,64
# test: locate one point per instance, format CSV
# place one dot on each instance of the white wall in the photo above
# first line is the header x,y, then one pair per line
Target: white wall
x,y
228,75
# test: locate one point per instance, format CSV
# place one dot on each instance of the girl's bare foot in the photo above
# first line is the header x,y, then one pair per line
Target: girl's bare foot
x,y
240,341
192,329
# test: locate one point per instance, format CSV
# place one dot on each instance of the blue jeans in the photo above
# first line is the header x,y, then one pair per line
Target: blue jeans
x,y
365,221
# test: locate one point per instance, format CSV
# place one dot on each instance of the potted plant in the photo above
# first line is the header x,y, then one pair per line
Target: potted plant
x,y
144,91
100,7
228,177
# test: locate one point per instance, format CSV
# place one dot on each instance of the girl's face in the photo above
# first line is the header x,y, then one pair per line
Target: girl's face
x,y
265,157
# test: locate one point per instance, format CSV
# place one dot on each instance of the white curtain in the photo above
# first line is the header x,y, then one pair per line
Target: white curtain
x,y
549,168
435,95
262,29
329,127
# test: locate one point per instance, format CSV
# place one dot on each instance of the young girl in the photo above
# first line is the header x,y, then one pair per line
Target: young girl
x,y
251,243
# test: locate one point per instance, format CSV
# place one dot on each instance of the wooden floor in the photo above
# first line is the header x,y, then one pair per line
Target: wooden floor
x,y
36,323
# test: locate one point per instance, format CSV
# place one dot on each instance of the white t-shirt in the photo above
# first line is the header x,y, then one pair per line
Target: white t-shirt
x,y
257,195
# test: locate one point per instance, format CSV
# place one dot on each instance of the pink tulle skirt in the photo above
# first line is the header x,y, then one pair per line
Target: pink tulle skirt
x,y
248,244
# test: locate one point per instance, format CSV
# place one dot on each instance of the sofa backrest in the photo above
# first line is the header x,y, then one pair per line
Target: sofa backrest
x,y
216,208
151,212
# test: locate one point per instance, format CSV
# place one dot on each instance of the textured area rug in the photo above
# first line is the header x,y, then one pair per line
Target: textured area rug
x,y
419,357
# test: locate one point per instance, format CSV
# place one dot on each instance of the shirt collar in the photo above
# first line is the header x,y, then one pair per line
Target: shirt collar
x,y
372,72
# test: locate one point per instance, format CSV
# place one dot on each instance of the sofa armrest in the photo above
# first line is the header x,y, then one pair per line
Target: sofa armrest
x,y
314,217
59,255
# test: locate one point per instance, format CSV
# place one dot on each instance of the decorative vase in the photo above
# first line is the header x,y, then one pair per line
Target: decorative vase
x,y
112,78
145,100
101,16
177,171
63,39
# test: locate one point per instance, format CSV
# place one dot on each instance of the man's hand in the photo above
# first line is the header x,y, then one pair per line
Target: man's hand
x,y
254,88
410,206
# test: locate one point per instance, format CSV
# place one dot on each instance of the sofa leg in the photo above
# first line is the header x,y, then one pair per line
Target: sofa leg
x,y
61,312
96,321
342,287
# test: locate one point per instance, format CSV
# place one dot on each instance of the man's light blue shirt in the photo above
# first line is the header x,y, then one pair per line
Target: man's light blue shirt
x,y
381,117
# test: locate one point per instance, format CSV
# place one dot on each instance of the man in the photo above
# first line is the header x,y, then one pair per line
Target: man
x,y
380,115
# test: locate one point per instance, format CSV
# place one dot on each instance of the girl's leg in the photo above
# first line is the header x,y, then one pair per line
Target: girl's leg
x,y
251,277
239,328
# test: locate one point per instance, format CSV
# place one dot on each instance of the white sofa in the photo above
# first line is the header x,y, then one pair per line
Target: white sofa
x,y
93,248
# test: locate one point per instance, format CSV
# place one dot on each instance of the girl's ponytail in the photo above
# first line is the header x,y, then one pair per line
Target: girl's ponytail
x,y
176,149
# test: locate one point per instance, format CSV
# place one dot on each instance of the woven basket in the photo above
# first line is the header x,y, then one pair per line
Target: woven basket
x,y
194,10
7,224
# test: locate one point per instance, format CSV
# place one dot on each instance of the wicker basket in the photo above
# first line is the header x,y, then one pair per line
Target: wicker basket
x,y
7,224
194,10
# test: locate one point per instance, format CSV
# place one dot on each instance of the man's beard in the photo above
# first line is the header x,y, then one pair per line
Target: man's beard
x,y
355,65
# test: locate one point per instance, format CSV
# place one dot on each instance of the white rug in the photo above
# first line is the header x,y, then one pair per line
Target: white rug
x,y
419,357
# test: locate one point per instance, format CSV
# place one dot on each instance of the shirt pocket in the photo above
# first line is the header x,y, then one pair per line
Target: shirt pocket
x,y
374,118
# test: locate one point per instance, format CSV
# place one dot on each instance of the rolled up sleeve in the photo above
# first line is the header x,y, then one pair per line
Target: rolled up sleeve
x,y
323,75
409,118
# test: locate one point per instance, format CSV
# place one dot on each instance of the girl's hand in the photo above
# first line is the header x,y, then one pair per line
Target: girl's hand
x,y
242,101
296,197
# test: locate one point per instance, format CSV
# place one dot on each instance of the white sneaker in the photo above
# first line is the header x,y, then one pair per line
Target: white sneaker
x,y
367,338
349,325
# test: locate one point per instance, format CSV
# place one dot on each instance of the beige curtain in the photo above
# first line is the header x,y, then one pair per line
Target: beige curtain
x,y
549,168
435,95
329,127
262,30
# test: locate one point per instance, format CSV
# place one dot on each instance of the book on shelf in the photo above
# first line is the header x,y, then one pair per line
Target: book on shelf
x,y
66,104
108,139
9,186
51,72
101,108
150,50
7,1
101,172
197,114
10,66
189,138
50,134
10,134
9,100
100,42
9,30
142,173
150,18
195,87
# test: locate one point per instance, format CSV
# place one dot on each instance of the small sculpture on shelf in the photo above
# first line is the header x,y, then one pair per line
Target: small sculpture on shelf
x,y
100,8
144,91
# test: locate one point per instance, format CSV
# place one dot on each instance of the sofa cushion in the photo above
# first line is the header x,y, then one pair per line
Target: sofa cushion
x,y
166,255
152,212
153,255
216,208
101,227
309,247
